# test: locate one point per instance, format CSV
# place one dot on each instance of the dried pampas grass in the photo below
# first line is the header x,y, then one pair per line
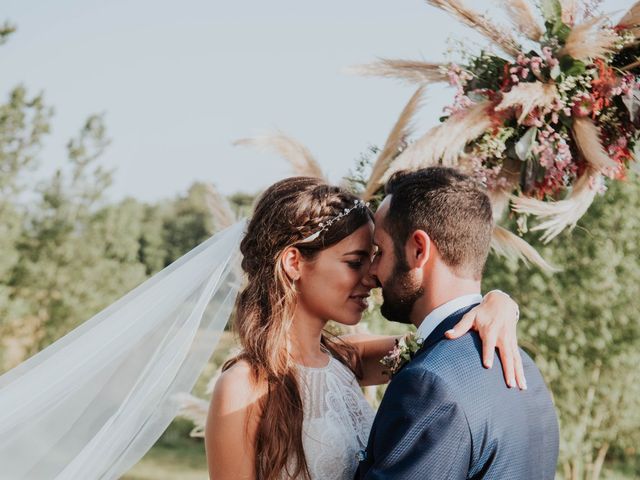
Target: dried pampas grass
x,y
509,245
219,207
587,136
631,19
408,70
194,409
590,40
569,11
396,139
522,17
564,213
529,96
500,198
479,22
299,156
444,143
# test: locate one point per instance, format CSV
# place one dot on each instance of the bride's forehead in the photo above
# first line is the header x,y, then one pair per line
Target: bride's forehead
x,y
361,238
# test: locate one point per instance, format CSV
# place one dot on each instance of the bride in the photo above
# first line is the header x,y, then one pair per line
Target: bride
x,y
290,405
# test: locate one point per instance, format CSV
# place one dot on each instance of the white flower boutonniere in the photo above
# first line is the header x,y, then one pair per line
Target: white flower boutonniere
x,y
404,350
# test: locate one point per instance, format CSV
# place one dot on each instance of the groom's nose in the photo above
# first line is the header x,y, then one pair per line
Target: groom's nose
x,y
370,280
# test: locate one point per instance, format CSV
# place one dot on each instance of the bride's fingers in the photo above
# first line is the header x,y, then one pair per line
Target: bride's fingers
x,y
489,350
508,365
520,378
463,326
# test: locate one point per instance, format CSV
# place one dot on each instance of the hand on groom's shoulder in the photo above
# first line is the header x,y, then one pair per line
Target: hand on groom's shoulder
x,y
446,416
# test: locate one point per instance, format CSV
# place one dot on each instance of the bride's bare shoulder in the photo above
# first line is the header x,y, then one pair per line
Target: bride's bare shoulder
x,y
236,389
232,423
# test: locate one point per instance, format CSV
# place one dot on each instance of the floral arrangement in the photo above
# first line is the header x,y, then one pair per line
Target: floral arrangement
x,y
404,350
541,126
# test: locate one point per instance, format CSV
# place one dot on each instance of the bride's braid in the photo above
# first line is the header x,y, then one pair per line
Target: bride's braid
x,y
288,212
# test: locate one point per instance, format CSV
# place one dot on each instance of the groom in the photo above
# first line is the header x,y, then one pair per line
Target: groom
x,y
444,416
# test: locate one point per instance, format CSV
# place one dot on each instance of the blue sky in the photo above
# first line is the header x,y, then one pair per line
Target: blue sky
x,y
179,81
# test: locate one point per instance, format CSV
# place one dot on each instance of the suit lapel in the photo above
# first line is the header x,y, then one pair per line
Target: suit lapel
x,y
447,324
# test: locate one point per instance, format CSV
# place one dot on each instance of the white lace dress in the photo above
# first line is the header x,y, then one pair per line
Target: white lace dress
x,y
337,420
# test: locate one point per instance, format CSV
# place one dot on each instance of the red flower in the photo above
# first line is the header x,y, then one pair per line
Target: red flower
x,y
602,87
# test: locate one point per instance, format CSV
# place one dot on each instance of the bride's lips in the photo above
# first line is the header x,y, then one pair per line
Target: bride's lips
x,y
361,301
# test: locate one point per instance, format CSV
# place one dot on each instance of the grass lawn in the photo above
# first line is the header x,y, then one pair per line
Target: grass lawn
x,y
175,456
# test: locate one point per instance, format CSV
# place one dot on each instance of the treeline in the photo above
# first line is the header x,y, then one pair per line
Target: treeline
x,y
65,251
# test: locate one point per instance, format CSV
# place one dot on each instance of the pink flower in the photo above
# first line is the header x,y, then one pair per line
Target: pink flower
x,y
536,64
583,106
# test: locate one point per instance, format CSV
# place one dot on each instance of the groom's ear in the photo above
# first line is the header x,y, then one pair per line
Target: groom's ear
x,y
418,249
291,259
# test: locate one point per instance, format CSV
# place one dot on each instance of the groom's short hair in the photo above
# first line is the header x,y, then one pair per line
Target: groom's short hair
x,y
450,207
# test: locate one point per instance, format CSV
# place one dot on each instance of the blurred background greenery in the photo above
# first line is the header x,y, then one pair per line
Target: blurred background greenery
x,y
66,252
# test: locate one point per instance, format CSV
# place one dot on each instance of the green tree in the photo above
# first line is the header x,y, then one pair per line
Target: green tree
x,y
187,223
581,326
24,121
75,255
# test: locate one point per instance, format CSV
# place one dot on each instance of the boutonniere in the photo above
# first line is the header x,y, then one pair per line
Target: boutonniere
x,y
402,353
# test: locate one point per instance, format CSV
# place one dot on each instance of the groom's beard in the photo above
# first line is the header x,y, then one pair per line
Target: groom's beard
x,y
400,294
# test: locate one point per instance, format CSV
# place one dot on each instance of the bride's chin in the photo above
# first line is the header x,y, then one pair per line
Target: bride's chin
x,y
351,320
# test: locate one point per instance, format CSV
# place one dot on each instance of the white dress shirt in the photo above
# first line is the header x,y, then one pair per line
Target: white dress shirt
x,y
437,315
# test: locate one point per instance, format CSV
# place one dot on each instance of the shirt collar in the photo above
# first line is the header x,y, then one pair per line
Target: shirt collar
x,y
438,315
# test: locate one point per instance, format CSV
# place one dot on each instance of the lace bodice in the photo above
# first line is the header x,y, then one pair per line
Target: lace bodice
x,y
337,420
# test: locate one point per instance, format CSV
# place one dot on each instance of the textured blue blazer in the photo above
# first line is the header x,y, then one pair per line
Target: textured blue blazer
x,y
444,416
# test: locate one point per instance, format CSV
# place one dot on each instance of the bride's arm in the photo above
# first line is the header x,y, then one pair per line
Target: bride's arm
x,y
495,320
231,425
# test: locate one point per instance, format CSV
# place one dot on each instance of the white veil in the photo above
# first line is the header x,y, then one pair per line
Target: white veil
x,y
92,404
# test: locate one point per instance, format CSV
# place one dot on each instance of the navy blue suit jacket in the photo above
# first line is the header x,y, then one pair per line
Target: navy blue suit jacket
x,y
444,416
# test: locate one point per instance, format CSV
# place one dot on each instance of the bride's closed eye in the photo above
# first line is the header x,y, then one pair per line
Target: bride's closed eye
x,y
357,258
356,265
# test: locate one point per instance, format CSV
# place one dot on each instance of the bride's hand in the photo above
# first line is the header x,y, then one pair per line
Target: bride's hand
x,y
495,320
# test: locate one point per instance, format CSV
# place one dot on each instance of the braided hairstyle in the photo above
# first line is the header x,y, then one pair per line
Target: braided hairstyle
x,y
286,213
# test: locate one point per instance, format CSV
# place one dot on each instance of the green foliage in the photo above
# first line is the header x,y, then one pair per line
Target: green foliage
x,y
572,67
242,204
357,178
488,70
24,120
582,329
5,31
551,10
188,223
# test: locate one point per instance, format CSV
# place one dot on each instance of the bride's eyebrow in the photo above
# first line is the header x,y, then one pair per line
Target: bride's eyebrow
x,y
362,253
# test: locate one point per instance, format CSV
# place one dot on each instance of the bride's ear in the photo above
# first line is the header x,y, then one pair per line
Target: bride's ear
x,y
291,260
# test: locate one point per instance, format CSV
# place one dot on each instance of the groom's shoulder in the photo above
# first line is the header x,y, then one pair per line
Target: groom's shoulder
x,y
457,363
449,356
437,366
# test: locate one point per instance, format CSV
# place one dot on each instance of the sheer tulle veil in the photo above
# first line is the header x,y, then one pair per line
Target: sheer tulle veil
x,y
90,405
